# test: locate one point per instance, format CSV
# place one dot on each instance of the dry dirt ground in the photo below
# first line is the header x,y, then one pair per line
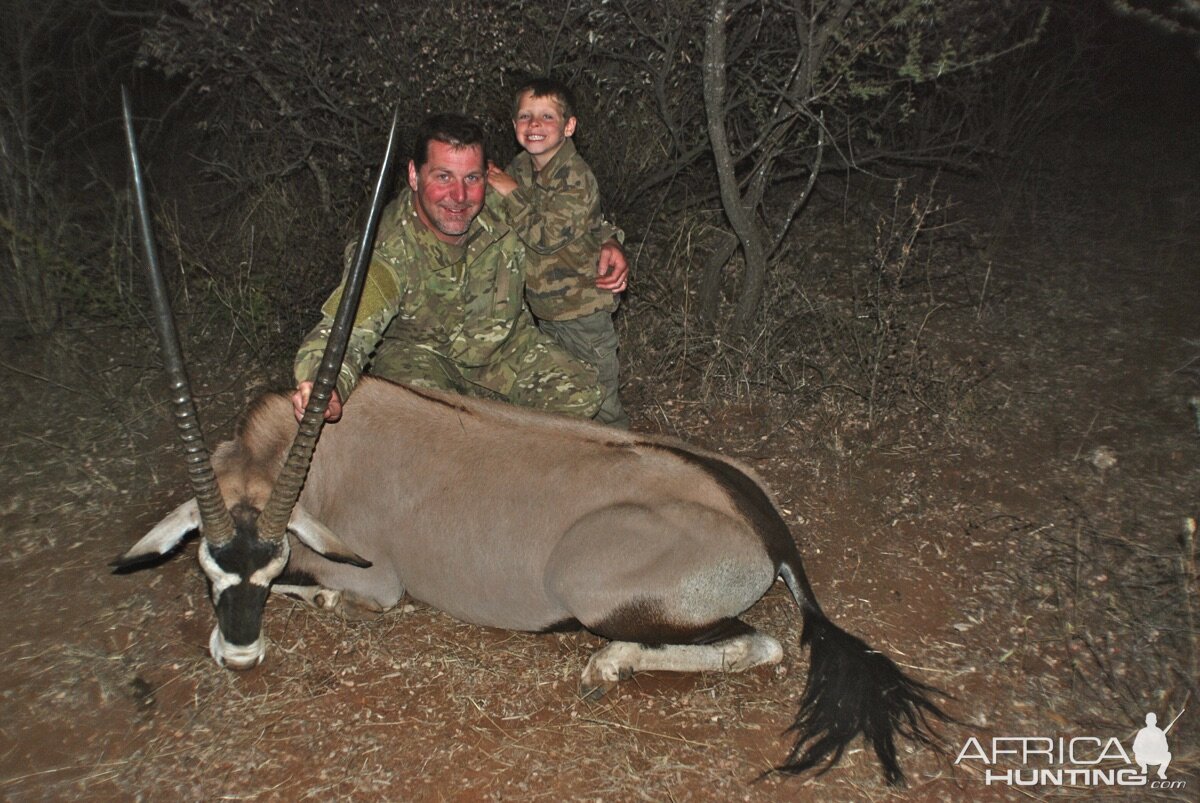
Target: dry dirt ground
x,y
1020,548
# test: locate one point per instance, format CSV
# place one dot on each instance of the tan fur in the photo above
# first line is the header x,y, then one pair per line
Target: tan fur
x,y
246,466
507,517
512,518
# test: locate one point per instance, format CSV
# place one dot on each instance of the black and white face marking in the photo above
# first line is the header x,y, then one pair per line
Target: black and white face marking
x,y
240,574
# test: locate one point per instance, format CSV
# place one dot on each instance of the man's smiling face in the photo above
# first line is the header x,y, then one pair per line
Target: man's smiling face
x,y
449,189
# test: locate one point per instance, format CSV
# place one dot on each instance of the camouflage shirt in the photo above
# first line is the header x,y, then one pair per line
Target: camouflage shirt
x,y
462,302
556,213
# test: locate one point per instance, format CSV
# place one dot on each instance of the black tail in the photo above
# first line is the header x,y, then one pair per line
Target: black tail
x,y
854,689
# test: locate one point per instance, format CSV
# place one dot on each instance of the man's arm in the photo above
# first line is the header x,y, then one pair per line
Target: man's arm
x,y
379,305
300,401
612,271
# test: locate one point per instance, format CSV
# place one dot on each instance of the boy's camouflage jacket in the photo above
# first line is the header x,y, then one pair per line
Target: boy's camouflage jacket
x,y
461,302
556,213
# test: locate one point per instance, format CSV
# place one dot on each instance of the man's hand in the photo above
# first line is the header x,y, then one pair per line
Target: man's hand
x,y
300,400
500,181
612,270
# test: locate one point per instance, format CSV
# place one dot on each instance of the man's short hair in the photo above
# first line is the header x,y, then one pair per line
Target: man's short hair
x,y
544,86
454,130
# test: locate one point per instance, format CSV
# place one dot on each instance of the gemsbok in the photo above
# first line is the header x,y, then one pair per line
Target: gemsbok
x,y
511,518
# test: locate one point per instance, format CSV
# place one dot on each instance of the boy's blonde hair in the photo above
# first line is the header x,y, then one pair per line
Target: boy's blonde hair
x,y
544,86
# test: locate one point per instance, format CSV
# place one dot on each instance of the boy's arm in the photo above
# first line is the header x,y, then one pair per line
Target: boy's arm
x,y
500,180
555,212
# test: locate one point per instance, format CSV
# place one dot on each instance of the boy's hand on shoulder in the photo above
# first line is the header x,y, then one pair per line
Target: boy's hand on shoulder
x,y
500,181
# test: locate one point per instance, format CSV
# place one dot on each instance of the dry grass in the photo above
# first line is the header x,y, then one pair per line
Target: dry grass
x,y
972,531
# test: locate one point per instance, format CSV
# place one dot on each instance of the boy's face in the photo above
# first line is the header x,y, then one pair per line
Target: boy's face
x,y
541,129
449,189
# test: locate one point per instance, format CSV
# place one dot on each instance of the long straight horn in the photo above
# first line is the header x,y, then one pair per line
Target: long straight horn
x,y
217,524
273,521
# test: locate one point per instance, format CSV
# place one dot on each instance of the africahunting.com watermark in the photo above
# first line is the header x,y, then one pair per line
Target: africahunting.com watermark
x,y
1083,761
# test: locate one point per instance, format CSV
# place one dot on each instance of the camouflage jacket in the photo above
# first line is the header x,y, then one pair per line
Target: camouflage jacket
x,y
462,302
556,213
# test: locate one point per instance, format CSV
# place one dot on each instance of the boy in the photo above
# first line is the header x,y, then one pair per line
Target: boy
x,y
552,201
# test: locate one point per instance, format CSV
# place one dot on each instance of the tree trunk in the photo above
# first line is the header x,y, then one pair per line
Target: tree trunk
x,y
710,277
741,216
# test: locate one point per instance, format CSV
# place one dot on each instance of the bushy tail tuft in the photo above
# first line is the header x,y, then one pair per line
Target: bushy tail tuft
x,y
854,689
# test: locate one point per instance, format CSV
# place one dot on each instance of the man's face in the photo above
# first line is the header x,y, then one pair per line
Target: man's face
x,y
541,129
449,189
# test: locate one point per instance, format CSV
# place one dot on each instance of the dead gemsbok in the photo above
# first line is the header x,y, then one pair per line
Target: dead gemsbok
x,y
511,518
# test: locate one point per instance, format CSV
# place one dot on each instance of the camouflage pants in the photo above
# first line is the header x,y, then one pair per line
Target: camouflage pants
x,y
531,372
593,339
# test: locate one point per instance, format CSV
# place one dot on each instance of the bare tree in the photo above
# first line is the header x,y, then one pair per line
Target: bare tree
x,y
736,105
775,73
58,59
299,85
1173,17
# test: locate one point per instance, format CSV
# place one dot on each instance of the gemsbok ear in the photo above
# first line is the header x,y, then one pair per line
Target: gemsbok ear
x,y
165,536
319,538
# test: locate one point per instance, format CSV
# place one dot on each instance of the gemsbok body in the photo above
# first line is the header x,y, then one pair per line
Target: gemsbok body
x,y
507,517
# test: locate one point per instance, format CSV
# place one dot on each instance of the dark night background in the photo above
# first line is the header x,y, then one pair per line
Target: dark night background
x,y
956,332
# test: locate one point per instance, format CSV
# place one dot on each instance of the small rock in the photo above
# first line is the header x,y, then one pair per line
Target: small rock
x,y
1103,458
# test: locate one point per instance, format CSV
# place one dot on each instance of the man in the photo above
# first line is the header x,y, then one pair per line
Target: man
x,y
1150,747
443,305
